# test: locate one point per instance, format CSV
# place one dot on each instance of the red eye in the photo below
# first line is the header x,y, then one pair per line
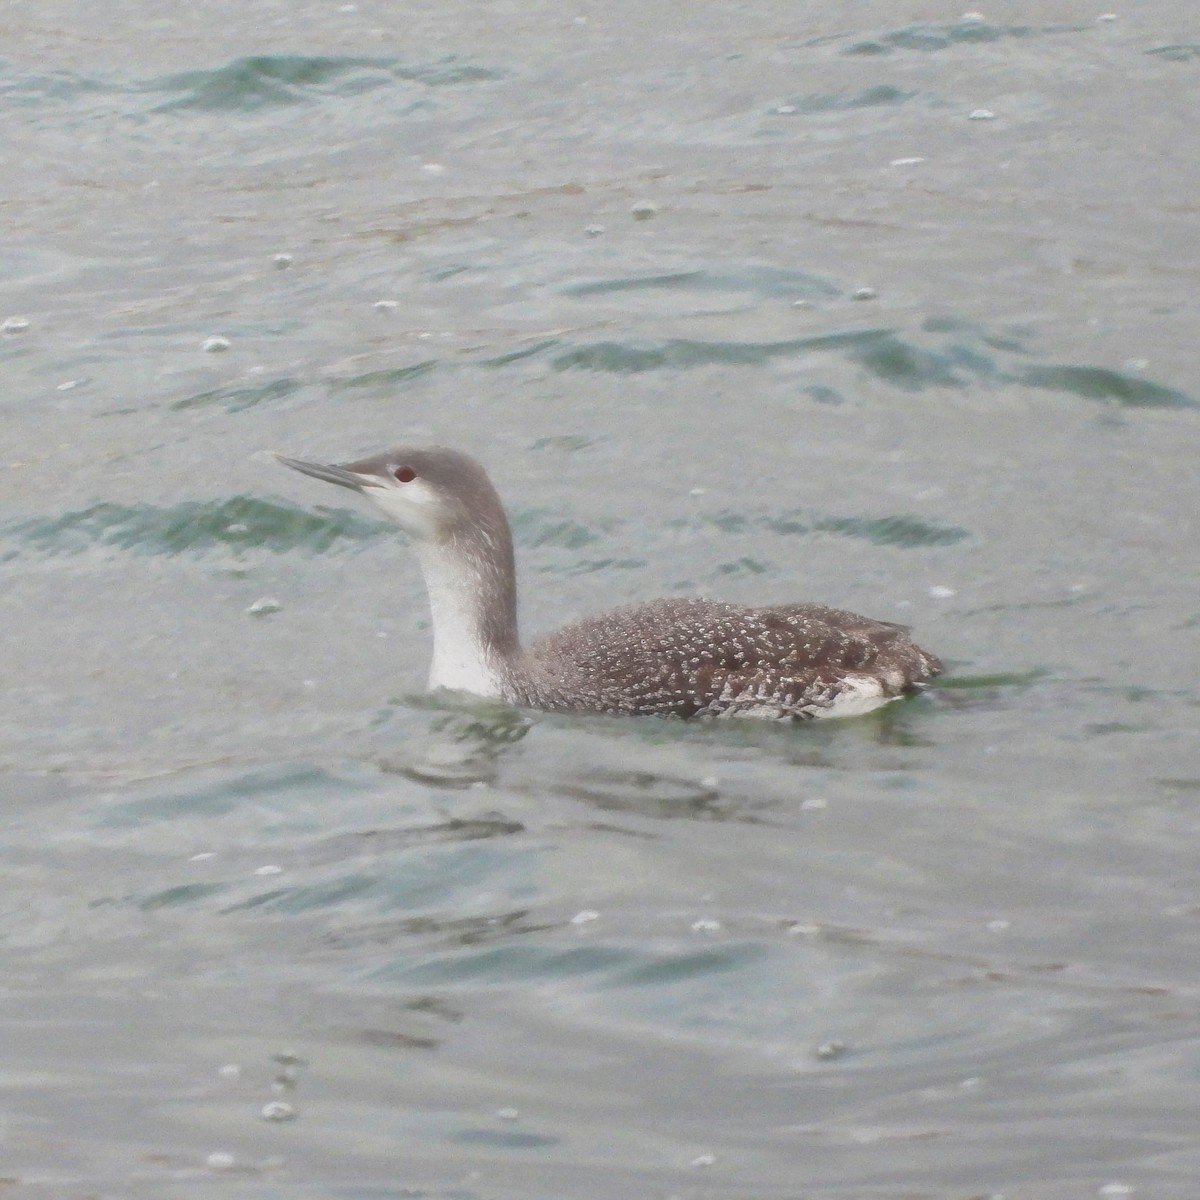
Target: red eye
x,y
405,474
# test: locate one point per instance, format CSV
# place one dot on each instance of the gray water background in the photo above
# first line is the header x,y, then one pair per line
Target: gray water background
x,y
616,251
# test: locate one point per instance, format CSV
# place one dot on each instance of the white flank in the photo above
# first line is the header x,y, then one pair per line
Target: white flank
x,y
862,694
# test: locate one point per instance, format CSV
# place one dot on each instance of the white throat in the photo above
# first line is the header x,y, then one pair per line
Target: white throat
x,y
461,658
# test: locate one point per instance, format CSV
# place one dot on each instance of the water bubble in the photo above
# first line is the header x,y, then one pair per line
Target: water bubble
x,y
264,607
215,344
432,168
230,1071
278,1110
864,293
14,325
387,305
704,1160
1000,925
1115,1189
643,210
706,925
817,802
784,109
981,114
907,162
282,261
939,592
220,1160
269,869
69,385
584,916
831,1050
203,856
507,1114
593,230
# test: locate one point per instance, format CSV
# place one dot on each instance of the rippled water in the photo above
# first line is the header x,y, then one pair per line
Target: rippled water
x,y
765,304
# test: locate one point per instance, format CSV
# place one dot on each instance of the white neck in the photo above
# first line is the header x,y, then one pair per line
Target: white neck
x,y
458,597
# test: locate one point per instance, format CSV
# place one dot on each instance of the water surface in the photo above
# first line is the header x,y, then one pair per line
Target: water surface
x,y
768,305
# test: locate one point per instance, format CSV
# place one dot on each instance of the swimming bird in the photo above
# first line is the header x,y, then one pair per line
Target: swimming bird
x,y
669,658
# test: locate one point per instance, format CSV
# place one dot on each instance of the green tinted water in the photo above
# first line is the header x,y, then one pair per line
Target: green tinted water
x,y
768,305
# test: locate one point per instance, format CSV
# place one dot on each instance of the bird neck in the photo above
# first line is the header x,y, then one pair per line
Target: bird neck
x,y
471,580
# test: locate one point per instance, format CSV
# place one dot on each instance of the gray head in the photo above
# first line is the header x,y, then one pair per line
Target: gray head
x,y
434,494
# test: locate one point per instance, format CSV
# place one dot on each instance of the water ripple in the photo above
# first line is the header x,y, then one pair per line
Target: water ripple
x,y
960,361
763,281
1100,383
240,398
243,86
930,37
1178,52
907,532
242,522
249,523
818,103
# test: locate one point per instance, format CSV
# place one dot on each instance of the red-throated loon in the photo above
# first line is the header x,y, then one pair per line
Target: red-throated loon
x,y
670,658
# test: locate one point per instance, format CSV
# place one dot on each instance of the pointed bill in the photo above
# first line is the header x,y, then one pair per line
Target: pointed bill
x,y
330,473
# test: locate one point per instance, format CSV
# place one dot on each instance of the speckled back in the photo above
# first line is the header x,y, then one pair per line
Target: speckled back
x,y
688,658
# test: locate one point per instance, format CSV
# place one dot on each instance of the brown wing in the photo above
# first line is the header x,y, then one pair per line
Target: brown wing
x,y
687,657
